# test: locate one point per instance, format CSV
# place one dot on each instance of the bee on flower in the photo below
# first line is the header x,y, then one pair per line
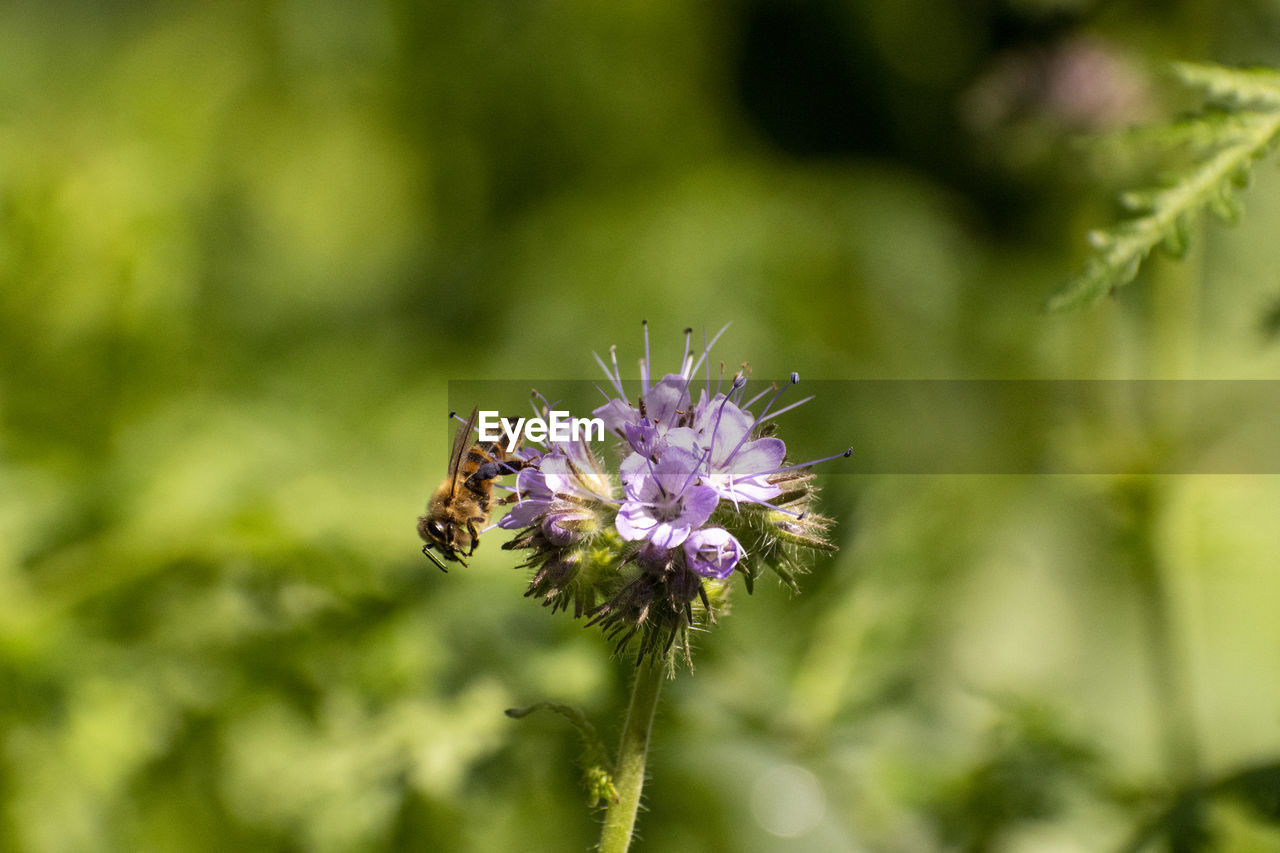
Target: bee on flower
x,y
703,491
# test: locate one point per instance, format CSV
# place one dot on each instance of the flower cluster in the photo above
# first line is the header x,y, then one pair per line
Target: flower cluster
x,y
705,492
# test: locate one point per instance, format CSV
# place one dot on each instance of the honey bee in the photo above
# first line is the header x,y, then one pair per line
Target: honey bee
x,y
461,502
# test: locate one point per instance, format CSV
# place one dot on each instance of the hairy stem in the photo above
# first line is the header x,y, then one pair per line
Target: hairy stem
x,y
620,819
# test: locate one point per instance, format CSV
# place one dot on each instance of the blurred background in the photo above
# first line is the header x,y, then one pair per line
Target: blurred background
x,y
246,245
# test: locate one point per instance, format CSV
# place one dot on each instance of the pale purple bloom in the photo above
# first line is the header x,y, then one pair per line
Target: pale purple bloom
x,y
737,467
616,414
560,494
664,503
665,402
676,543
709,446
541,503
664,406
712,552
536,498
643,437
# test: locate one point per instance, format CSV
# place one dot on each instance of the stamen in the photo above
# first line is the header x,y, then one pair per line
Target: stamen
x,y
582,481
649,459
740,383
772,387
795,377
706,349
784,409
613,357
616,380
644,365
684,359
694,471
715,429
686,418
773,507
453,413
845,454
548,406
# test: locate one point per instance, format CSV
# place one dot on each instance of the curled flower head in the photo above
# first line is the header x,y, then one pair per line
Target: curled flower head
x,y
560,495
712,552
706,492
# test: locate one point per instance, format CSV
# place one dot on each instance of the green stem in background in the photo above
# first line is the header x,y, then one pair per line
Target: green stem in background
x,y
620,819
1174,335
1160,624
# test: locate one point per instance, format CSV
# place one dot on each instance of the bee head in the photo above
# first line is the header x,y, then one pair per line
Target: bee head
x,y
438,537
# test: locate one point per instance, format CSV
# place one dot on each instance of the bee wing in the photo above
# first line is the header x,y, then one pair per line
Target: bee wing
x,y
461,441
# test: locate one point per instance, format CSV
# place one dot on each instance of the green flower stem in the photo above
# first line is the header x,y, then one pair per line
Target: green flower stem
x,y
620,819
1175,321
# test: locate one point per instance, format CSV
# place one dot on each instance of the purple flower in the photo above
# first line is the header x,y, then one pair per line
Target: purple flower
x,y
643,437
712,552
737,467
649,568
540,504
664,504
535,500
717,435
661,406
562,495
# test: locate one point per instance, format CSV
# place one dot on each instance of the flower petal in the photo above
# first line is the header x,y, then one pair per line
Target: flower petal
x,y
669,534
698,504
750,489
615,414
666,400
675,471
762,456
635,521
643,437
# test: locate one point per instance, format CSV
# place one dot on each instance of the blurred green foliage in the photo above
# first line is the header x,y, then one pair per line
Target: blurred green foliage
x,y
244,247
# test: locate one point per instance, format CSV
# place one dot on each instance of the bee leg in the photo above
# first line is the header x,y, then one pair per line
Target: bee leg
x,y
493,470
475,535
427,552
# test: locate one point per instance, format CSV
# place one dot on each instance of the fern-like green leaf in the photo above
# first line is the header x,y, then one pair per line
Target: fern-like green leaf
x,y
1232,87
1240,124
597,769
